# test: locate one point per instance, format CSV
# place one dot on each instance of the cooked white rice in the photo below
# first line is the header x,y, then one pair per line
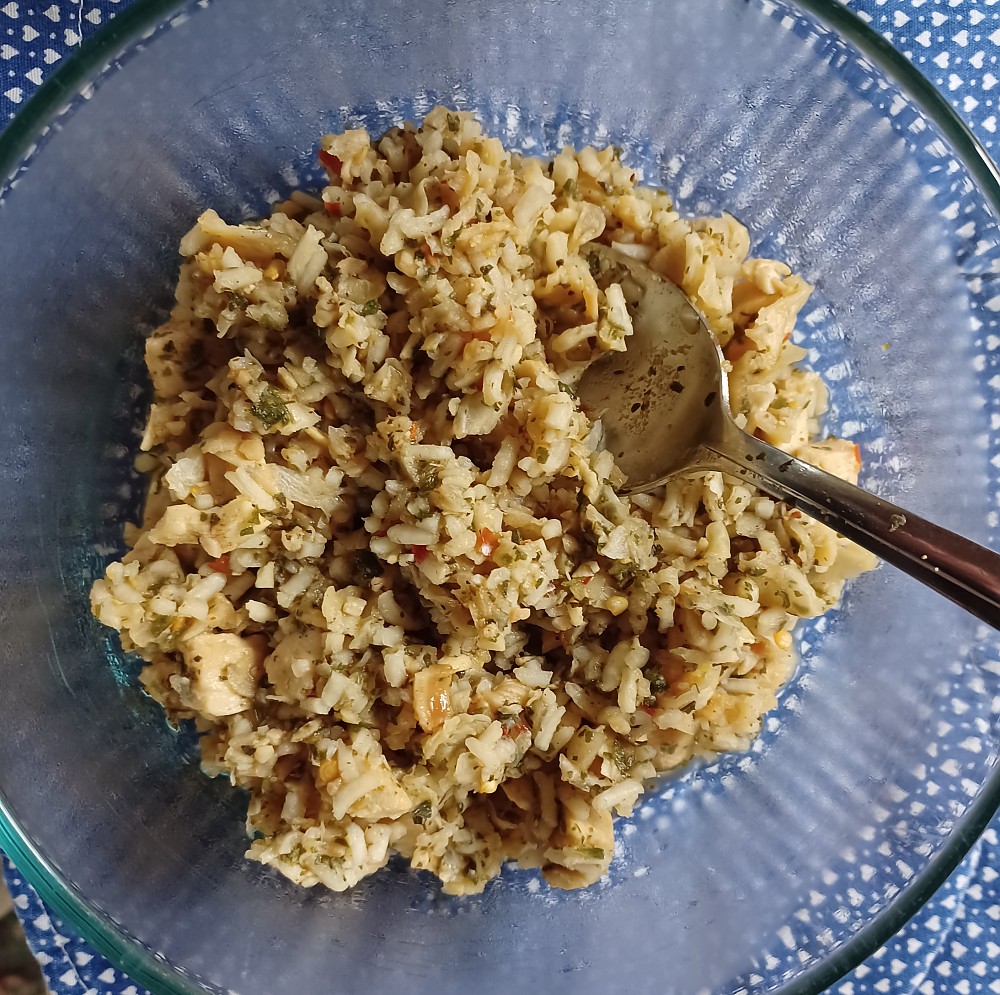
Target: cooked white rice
x,y
382,565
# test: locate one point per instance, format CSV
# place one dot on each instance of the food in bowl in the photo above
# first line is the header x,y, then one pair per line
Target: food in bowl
x,y
383,563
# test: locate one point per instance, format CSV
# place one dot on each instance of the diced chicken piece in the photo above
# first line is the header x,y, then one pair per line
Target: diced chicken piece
x,y
582,848
431,690
223,669
179,524
836,456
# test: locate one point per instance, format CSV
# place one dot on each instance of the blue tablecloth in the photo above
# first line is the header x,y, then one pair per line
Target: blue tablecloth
x,y
953,944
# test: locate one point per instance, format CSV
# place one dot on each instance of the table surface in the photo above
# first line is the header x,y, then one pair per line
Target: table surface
x,y
953,944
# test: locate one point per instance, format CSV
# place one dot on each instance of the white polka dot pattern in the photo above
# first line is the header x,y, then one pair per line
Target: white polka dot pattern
x,y
953,944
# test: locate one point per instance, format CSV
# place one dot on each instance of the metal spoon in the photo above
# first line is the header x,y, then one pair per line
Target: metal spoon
x,y
664,407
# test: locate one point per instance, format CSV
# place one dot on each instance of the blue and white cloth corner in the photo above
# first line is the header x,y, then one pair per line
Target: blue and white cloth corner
x,y
953,944
69,964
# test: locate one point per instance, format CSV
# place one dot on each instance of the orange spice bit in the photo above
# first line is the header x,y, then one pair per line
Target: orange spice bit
x,y
221,565
857,455
331,208
487,541
428,253
514,729
414,431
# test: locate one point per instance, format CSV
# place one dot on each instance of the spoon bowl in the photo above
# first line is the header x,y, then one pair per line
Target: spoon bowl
x,y
661,398
663,405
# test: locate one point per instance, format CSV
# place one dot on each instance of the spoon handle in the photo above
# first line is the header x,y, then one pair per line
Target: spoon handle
x,y
962,570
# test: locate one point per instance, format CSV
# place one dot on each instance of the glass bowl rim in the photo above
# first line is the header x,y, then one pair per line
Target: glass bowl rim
x,y
142,966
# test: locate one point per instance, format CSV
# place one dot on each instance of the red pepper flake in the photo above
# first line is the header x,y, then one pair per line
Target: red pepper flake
x,y
330,161
331,208
515,729
419,553
795,514
487,541
479,385
649,709
221,565
587,580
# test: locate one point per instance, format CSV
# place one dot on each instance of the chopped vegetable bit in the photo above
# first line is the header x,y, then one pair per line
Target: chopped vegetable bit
x,y
487,542
370,308
624,759
270,410
421,813
330,161
513,726
221,565
253,520
428,477
626,573
657,682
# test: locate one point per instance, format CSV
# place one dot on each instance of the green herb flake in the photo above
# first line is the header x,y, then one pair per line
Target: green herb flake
x,y
626,573
421,813
624,759
570,188
253,520
370,308
595,265
158,623
657,682
542,454
270,410
428,477
591,852
515,535
454,122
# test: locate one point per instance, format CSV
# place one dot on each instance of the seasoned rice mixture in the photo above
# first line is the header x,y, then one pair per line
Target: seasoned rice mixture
x,y
383,564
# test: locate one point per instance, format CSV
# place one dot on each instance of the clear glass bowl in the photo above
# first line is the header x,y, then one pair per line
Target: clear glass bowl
x,y
777,870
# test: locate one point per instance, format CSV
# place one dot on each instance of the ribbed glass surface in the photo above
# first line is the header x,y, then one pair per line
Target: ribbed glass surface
x,y
776,870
